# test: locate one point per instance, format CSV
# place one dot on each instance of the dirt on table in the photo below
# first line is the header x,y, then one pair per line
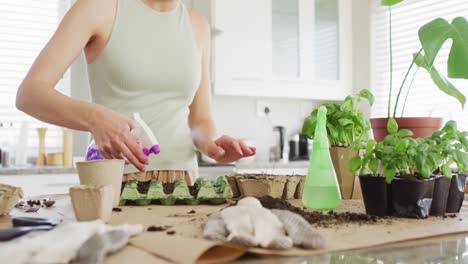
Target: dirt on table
x,y
168,187
192,212
171,233
117,209
143,187
322,219
157,228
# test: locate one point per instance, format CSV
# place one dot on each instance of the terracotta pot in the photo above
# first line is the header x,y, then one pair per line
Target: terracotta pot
x,y
421,126
340,157
102,172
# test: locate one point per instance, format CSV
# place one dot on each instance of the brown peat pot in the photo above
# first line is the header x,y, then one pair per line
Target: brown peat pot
x,y
440,197
421,126
412,197
456,193
377,195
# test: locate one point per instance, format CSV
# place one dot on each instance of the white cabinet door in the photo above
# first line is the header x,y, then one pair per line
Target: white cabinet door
x,y
242,53
280,48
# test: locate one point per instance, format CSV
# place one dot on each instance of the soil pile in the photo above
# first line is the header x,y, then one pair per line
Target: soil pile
x,y
143,187
168,187
193,189
321,219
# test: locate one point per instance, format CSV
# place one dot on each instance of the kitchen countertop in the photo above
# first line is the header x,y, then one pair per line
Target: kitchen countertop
x,y
28,170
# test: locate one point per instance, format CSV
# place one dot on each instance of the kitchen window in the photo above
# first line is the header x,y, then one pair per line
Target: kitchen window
x,y
425,99
25,28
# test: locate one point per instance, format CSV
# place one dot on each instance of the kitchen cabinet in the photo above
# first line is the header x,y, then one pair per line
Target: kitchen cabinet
x,y
280,48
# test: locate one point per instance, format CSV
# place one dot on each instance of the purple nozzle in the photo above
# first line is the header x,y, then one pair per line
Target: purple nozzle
x,y
93,154
154,149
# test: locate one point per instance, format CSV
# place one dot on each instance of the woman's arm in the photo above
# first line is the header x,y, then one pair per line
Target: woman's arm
x,y
223,149
37,95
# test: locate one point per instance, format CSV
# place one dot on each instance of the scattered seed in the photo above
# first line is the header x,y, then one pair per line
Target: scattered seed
x,y
49,203
192,212
117,209
171,233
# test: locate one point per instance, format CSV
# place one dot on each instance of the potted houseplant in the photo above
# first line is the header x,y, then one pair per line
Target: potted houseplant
x,y
432,36
347,131
405,173
449,147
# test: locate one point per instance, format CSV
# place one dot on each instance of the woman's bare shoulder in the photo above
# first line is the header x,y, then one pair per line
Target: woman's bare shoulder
x,y
201,28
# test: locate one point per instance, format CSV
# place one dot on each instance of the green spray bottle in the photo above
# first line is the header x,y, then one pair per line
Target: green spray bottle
x,y
321,189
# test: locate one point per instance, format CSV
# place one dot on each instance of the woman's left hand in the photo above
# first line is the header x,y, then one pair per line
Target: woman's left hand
x,y
227,149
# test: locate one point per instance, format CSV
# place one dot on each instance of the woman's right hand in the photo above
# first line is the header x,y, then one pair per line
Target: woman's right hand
x,y
111,132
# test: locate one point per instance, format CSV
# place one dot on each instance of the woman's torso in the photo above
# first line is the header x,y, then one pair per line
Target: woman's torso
x,y
151,64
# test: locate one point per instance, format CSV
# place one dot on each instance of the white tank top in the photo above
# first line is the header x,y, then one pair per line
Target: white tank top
x,y
152,65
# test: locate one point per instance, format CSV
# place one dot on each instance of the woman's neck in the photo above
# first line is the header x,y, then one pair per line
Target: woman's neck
x,y
161,5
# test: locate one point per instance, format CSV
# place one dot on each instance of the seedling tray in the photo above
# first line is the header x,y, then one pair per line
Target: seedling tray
x,y
259,185
155,192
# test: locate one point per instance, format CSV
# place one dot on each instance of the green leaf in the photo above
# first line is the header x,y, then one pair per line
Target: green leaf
x,y
389,173
373,166
367,95
435,33
355,164
391,2
405,133
443,83
446,170
392,126
333,131
401,145
344,122
370,147
308,128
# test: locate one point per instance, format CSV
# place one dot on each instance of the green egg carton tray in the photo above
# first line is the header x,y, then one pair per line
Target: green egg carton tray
x,y
155,192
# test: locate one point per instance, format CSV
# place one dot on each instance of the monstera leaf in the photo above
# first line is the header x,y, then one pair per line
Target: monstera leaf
x,y
443,83
435,33
391,2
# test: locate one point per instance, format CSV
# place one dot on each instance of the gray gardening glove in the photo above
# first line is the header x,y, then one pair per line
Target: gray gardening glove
x,y
299,230
100,245
248,224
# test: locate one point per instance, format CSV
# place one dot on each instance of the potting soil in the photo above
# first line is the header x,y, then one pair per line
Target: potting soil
x,y
321,219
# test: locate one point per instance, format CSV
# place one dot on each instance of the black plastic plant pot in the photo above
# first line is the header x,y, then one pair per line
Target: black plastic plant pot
x,y
440,197
412,197
376,194
456,193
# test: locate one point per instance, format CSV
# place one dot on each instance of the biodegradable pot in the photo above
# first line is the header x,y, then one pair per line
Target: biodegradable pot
x,y
412,197
440,197
9,196
357,192
291,187
300,188
421,126
340,157
456,193
262,185
232,180
102,172
377,195
92,202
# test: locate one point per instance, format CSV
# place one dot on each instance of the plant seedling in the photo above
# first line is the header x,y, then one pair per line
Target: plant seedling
x,y
346,125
